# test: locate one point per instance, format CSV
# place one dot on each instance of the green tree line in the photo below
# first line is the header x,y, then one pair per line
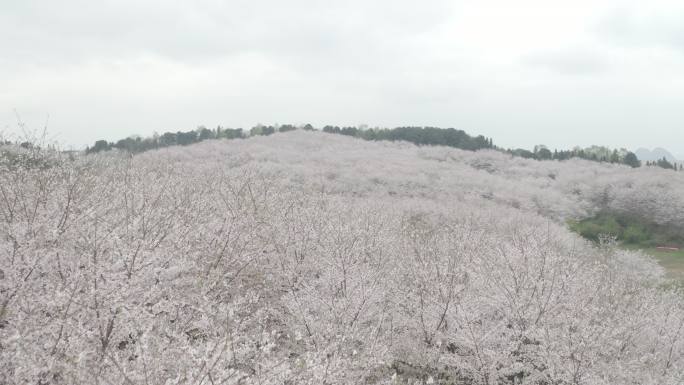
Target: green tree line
x,y
593,153
417,135
666,164
179,138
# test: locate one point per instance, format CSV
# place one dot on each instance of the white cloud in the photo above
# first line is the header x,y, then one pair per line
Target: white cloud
x,y
649,25
569,62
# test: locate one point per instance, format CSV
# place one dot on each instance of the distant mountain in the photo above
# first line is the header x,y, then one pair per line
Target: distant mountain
x,y
658,153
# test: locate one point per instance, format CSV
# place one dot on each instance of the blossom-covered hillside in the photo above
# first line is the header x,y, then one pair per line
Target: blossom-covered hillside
x,y
309,258
556,190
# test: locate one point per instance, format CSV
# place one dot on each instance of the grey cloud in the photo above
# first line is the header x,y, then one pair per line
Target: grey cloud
x,y
630,28
104,69
568,62
72,31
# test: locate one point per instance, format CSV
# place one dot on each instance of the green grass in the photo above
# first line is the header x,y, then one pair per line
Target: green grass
x,y
672,261
637,234
628,230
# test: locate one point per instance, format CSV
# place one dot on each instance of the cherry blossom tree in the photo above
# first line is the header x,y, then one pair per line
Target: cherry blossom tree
x,y
307,258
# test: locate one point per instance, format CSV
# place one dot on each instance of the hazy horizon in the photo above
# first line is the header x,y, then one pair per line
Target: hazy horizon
x,y
524,73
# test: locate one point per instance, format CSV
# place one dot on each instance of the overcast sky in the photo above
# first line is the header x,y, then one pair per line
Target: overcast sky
x,y
523,72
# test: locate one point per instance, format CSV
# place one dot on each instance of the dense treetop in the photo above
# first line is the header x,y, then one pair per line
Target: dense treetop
x,y
309,258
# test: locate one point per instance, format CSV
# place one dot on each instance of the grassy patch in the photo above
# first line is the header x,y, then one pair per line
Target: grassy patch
x,y
672,261
628,230
636,234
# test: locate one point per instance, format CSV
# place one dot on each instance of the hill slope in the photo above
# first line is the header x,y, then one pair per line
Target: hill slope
x,y
311,258
654,155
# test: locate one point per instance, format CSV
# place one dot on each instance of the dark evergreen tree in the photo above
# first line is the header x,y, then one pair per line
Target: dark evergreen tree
x,y
632,160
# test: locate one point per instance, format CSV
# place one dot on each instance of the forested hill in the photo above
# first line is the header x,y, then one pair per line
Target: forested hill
x,y
311,258
449,137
